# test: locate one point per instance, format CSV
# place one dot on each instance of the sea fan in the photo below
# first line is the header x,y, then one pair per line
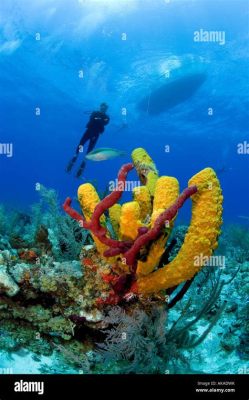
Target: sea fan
x,y
136,341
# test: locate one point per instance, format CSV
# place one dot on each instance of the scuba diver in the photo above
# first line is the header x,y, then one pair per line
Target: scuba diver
x,y
95,126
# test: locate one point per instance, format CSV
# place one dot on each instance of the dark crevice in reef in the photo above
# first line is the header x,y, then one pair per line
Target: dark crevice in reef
x,y
165,257
83,332
42,299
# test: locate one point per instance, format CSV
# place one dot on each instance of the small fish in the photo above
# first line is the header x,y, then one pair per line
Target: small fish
x,y
103,154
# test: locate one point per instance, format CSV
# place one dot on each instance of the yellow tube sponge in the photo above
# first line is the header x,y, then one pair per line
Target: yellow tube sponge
x,y
114,214
200,240
141,157
151,182
129,220
146,168
166,193
141,195
88,199
155,253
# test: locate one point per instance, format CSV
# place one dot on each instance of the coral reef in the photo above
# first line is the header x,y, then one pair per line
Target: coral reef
x,y
134,257
125,286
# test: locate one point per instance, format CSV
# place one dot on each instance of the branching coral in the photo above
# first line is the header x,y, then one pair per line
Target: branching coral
x,y
142,236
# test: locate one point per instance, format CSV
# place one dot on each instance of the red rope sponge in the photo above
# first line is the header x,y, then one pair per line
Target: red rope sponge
x,y
154,232
111,199
130,249
94,224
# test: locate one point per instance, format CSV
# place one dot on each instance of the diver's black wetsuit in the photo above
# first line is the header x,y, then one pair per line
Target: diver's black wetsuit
x,y
95,126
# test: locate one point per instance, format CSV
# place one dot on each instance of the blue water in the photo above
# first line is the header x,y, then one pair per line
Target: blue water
x,y
87,35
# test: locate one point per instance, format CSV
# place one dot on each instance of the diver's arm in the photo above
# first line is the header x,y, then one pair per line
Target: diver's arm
x,y
106,120
91,119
